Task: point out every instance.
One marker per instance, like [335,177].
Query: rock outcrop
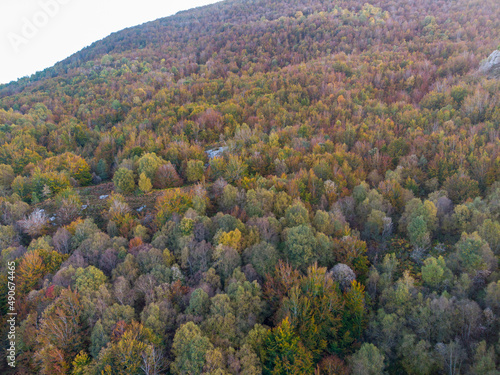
[491,66]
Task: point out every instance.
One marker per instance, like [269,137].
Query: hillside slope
[259,187]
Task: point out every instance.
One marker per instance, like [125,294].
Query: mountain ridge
[153,33]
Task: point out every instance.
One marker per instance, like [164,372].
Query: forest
[259,187]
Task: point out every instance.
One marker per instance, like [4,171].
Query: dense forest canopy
[276,187]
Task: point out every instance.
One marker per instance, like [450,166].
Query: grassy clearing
[93,200]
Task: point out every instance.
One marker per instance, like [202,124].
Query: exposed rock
[215,152]
[491,66]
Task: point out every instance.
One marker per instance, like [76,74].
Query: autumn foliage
[276,187]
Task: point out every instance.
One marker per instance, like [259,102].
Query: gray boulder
[491,66]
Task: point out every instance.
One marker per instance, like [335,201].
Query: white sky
[35,34]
